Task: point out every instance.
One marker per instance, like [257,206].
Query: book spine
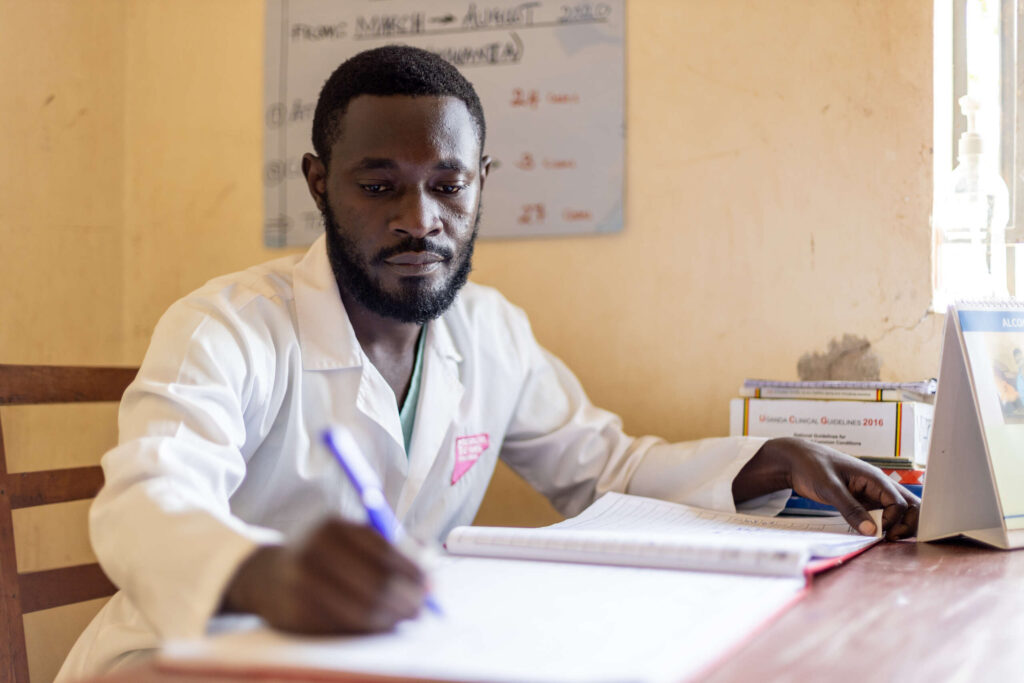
[799,504]
[989,304]
[898,430]
[823,394]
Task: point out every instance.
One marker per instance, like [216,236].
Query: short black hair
[388,70]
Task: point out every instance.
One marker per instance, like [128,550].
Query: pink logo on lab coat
[468,450]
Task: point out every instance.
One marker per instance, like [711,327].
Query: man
[220,497]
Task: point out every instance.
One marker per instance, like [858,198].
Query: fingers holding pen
[323,609]
[355,560]
[341,578]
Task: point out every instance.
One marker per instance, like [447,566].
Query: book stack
[884,423]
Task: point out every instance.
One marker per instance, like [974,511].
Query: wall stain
[849,358]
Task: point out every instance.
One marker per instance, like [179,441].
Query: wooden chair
[33,591]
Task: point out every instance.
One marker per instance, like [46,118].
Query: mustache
[417,244]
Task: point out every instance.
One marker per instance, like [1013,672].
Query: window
[975,55]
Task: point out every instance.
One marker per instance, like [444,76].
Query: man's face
[401,203]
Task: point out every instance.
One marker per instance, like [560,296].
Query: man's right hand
[341,578]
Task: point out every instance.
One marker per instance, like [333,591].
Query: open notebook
[595,601]
[620,529]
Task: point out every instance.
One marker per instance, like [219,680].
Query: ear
[485,167]
[316,177]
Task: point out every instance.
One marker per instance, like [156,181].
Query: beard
[416,301]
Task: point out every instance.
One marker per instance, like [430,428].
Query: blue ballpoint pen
[370,491]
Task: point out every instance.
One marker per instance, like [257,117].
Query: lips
[413,258]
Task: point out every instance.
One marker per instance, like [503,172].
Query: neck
[378,334]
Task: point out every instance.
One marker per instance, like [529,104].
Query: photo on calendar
[1005,351]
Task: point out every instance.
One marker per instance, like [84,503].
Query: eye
[450,188]
[374,188]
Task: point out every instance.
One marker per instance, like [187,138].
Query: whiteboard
[550,76]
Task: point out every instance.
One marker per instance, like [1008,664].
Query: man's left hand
[824,474]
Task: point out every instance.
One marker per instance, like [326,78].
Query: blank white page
[510,620]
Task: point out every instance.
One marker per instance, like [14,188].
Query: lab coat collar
[439,340]
[326,336]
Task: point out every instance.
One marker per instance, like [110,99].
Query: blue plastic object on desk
[798,505]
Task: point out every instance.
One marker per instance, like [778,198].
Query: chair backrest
[31,591]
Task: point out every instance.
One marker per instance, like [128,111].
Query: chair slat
[13,661]
[34,591]
[34,384]
[63,586]
[28,489]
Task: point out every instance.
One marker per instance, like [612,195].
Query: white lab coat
[220,441]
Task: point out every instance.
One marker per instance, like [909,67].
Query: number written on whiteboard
[531,214]
[525,98]
[531,99]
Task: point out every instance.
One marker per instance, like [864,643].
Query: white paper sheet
[511,620]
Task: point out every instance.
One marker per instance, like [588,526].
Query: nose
[417,215]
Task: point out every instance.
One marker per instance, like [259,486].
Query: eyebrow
[450,165]
[375,163]
[383,163]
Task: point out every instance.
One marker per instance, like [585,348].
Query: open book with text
[620,529]
[631,589]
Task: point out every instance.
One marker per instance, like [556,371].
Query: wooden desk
[900,612]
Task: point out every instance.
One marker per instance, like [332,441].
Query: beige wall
[779,184]
[778,196]
[61,173]
[62,108]
[193,200]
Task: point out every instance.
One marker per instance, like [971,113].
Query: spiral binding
[988,304]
